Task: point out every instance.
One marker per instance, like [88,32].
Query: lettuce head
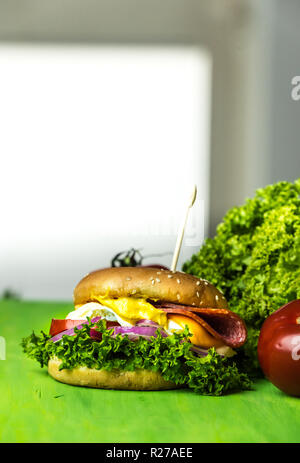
[254,259]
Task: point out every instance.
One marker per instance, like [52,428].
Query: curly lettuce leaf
[255,257]
[171,356]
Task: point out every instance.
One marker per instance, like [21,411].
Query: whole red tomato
[279,348]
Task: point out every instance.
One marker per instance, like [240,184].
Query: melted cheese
[133,309]
[130,309]
[201,337]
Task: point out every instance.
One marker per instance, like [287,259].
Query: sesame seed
[198,294]
[128,278]
[198,283]
[178,281]
[217,297]
[133,291]
[170,276]
[158,280]
[206,283]
[178,296]
[153,282]
[193,303]
[162,269]
[158,273]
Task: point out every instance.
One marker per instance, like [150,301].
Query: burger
[144,328]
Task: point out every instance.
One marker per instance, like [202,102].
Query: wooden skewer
[182,229]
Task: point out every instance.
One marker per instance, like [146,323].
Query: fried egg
[94,309]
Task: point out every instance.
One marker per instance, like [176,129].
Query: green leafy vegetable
[171,356]
[255,257]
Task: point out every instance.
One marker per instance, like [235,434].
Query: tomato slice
[58,325]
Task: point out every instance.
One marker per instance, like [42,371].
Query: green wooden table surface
[35,408]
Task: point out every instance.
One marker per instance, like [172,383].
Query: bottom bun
[138,380]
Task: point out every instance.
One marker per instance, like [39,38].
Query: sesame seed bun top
[149,283]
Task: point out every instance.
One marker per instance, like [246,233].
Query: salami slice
[220,323]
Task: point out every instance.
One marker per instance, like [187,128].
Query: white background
[99,149]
